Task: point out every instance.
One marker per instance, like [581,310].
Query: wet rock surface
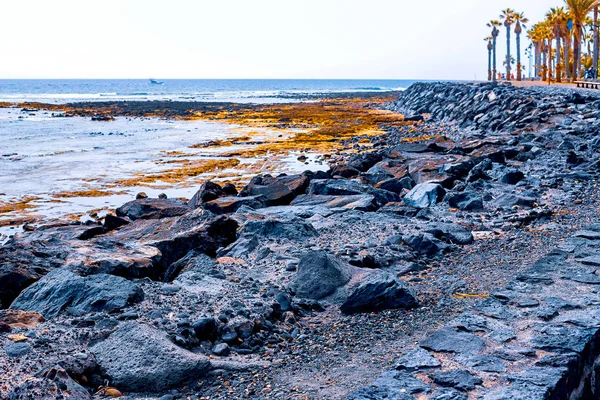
[454,258]
[138,357]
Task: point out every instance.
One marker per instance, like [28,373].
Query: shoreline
[257,138]
[442,212]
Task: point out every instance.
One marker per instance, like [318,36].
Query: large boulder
[362,162]
[230,204]
[319,275]
[430,168]
[143,248]
[466,201]
[425,244]
[450,233]
[512,177]
[153,209]
[30,255]
[378,292]
[277,191]
[424,195]
[392,168]
[241,247]
[121,258]
[175,237]
[509,200]
[194,265]
[208,191]
[63,291]
[344,171]
[346,187]
[140,358]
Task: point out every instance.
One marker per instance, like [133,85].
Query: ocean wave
[60,152]
[370,88]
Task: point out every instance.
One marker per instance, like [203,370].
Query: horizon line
[248,79]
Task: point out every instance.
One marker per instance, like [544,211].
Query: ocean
[208,90]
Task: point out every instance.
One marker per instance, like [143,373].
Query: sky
[279,39]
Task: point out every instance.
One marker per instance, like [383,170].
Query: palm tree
[508,17]
[536,35]
[548,35]
[557,18]
[567,40]
[579,11]
[494,24]
[520,22]
[490,47]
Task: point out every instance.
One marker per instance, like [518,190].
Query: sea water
[208,90]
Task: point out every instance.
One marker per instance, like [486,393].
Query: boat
[155,82]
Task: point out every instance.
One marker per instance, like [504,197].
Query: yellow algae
[179,174]
[173,154]
[265,131]
[223,143]
[87,193]
[471,296]
[324,124]
[18,205]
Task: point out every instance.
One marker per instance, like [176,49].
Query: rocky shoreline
[309,285]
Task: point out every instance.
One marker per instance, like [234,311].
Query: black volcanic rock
[228,205]
[138,357]
[63,291]
[379,292]
[208,191]
[152,209]
[319,275]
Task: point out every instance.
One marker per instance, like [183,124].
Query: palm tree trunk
[489,65]
[549,60]
[576,53]
[494,61]
[518,56]
[544,66]
[508,53]
[595,66]
[558,76]
[567,41]
[538,60]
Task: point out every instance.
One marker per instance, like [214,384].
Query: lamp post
[495,33]
[490,47]
[595,67]
[529,55]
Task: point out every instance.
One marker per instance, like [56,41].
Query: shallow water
[43,156]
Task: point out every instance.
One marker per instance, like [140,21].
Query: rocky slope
[168,298]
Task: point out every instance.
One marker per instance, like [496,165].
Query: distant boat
[155,82]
